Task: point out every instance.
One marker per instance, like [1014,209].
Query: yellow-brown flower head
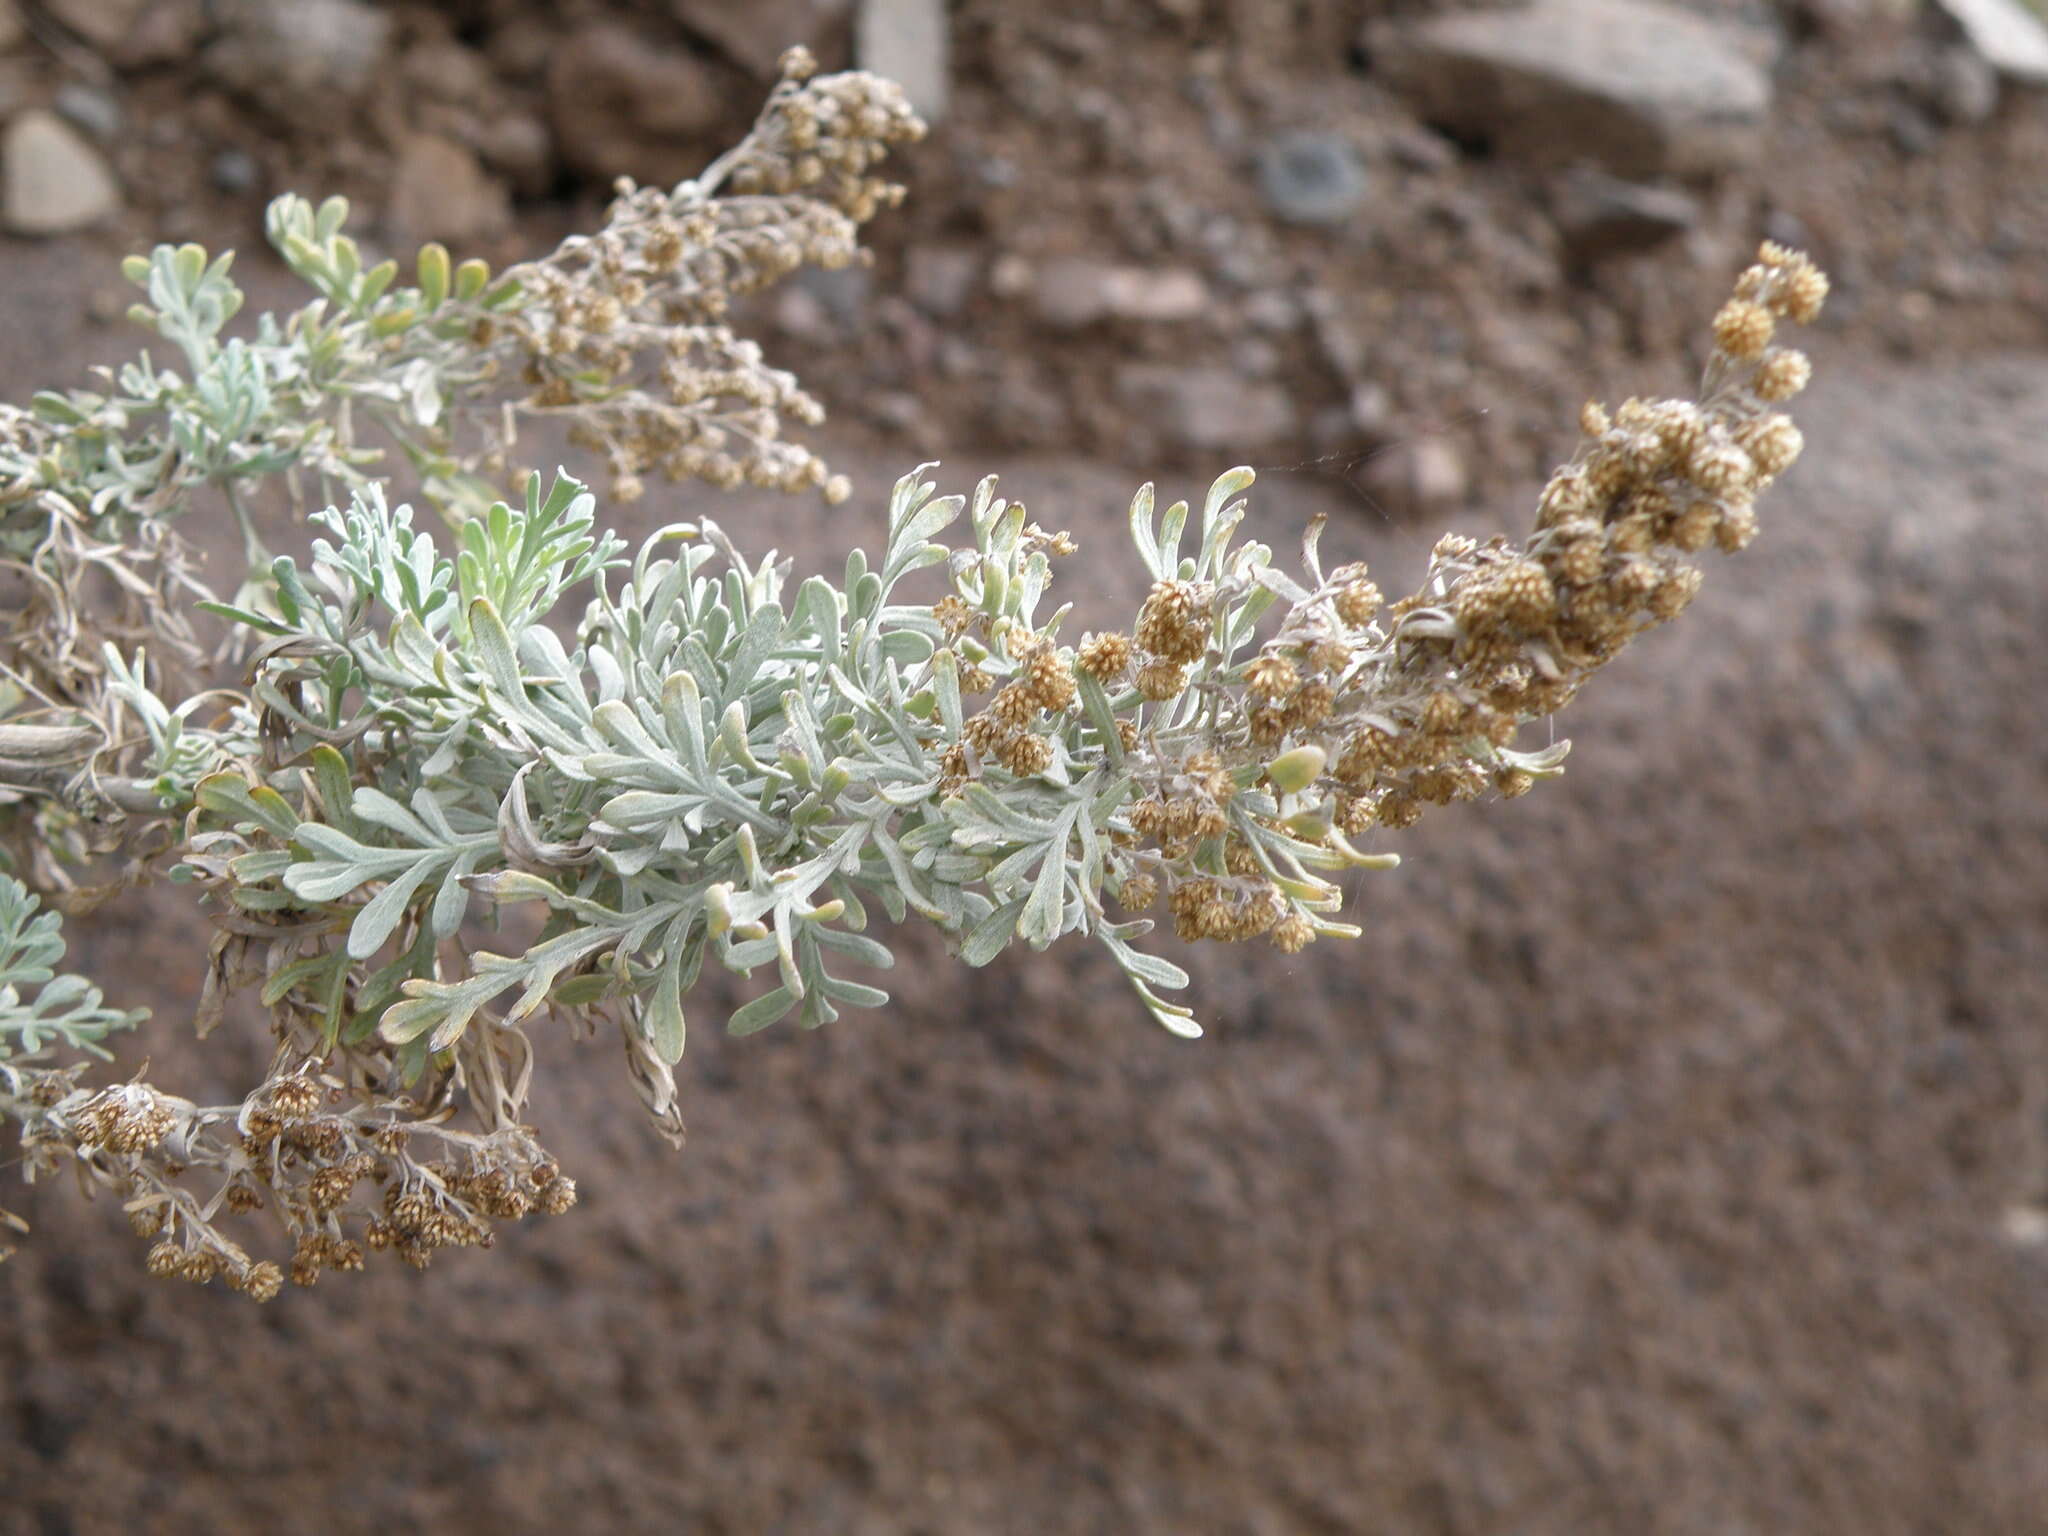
[1743,329]
[1171,624]
[1159,681]
[1104,657]
[1271,678]
[1782,374]
[1049,680]
[1026,755]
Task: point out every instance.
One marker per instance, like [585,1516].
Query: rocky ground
[1672,1154]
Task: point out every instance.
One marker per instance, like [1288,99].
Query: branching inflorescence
[643,760]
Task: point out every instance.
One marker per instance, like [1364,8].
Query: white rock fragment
[905,41]
[1072,294]
[1211,410]
[439,192]
[1639,87]
[55,181]
[2011,38]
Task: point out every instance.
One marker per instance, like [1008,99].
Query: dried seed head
[1049,680]
[1782,374]
[1565,496]
[1400,809]
[1104,657]
[1441,714]
[1680,426]
[1292,934]
[1513,782]
[1720,468]
[1743,329]
[295,1098]
[1355,813]
[1773,443]
[1527,598]
[1800,291]
[983,734]
[1271,678]
[1013,706]
[953,769]
[1737,527]
[1026,755]
[1635,581]
[1356,602]
[1138,892]
[1268,724]
[1358,765]
[1311,705]
[1171,625]
[1675,592]
[1159,681]
[1694,529]
[1582,560]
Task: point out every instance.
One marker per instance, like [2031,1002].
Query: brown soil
[1670,1155]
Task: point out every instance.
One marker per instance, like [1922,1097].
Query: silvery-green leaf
[992,935]
[854,994]
[768,1008]
[663,1018]
[383,912]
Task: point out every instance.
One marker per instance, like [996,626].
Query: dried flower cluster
[674,754]
[624,331]
[1351,719]
[342,1175]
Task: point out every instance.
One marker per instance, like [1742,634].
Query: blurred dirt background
[1672,1153]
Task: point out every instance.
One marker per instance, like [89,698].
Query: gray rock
[1962,86]
[234,171]
[55,181]
[1911,128]
[1642,88]
[440,192]
[100,22]
[906,40]
[843,291]
[1419,477]
[89,108]
[1208,409]
[1600,215]
[2011,37]
[1073,294]
[519,145]
[621,106]
[1336,342]
[1369,409]
[940,279]
[1311,178]
[802,314]
[1276,312]
[166,32]
[286,54]
[447,71]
